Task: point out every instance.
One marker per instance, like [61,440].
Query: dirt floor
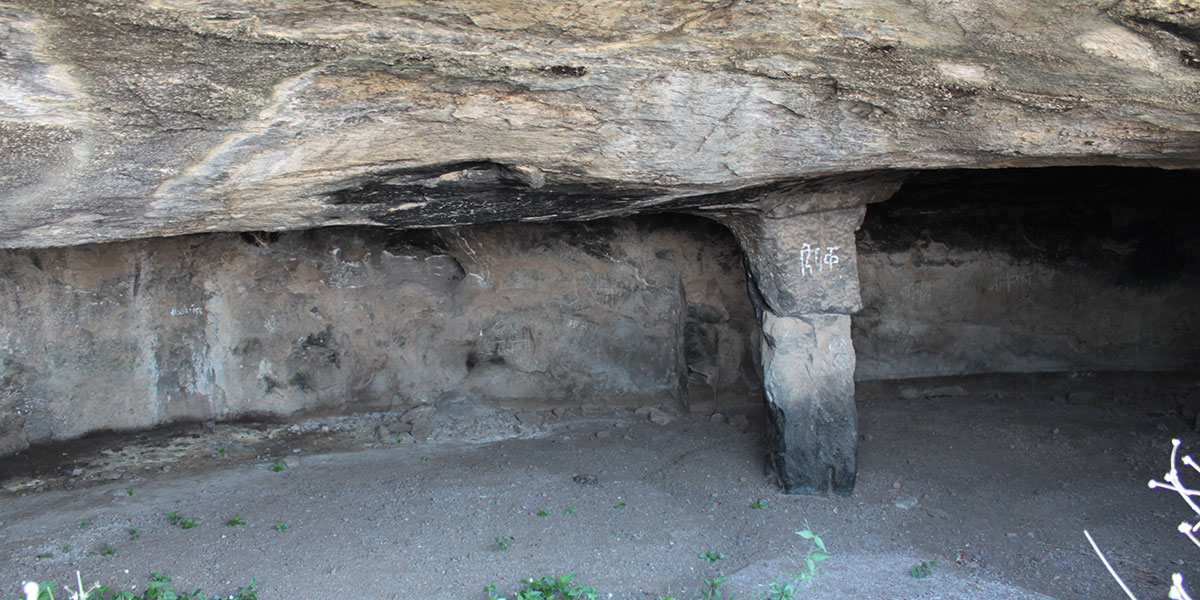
[994,478]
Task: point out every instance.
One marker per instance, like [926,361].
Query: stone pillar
[803,280]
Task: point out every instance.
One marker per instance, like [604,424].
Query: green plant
[546,588]
[424,459]
[758,504]
[108,550]
[235,521]
[712,589]
[156,589]
[619,505]
[814,555]
[129,491]
[66,549]
[543,512]
[134,534]
[183,522]
[277,467]
[712,557]
[45,555]
[280,526]
[922,570]
[503,542]
[570,511]
[85,524]
[222,449]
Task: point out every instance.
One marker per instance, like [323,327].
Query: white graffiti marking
[812,261]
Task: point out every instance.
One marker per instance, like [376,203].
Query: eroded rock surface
[137,334]
[162,117]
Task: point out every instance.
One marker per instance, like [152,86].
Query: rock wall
[136,334]
[1039,270]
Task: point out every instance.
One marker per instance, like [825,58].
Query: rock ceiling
[133,119]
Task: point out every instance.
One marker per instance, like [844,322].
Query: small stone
[717,418]
[906,503]
[656,415]
[76,472]
[111,475]
[602,434]
[167,468]
[209,425]
[291,462]
[529,417]
[585,479]
[1056,430]
[422,429]
[895,485]
[559,411]
[739,421]
[741,480]
[909,393]
[382,432]
[416,413]
[591,409]
[621,425]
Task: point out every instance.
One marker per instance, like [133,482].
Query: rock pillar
[803,280]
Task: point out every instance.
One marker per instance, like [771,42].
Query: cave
[829,238]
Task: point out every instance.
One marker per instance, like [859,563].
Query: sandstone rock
[421,429]
[382,432]
[420,412]
[529,417]
[252,116]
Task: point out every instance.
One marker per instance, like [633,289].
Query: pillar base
[808,376]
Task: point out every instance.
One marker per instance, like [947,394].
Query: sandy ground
[994,478]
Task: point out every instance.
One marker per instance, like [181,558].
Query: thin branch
[1108,566]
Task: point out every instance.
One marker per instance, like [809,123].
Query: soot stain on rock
[565,71]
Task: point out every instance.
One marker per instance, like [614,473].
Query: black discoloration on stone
[566,71]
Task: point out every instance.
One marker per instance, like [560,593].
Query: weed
[66,549]
[712,557]
[424,459]
[758,504]
[619,505]
[280,526]
[156,589]
[222,449]
[785,589]
[570,511]
[129,491]
[543,512]
[85,524]
[277,467]
[183,522]
[503,542]
[108,551]
[922,570]
[46,555]
[712,589]
[235,521]
[546,588]
[134,534]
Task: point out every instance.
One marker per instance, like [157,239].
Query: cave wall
[1030,271]
[136,334]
